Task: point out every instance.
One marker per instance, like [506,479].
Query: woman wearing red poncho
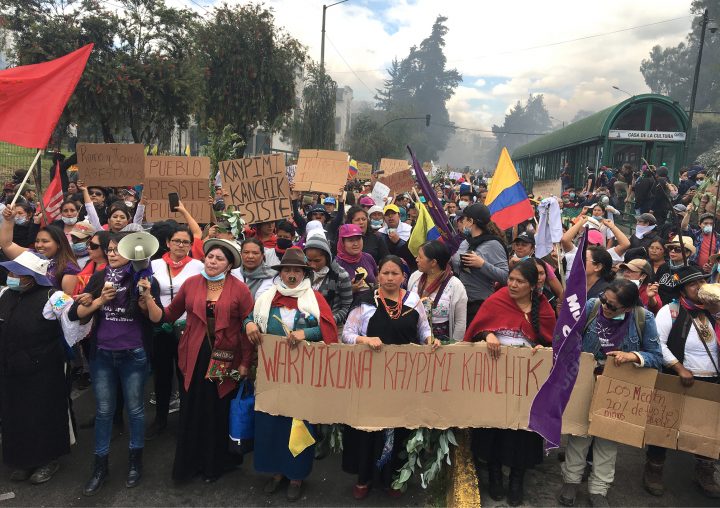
[516,315]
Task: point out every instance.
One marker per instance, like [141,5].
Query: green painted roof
[588,129]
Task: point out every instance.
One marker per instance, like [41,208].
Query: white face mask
[641,231]
[70,221]
[636,282]
[463,204]
[129,204]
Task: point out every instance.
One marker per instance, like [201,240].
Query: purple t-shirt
[52,275]
[117,330]
[367,262]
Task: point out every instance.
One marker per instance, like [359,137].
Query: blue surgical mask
[707,229]
[80,249]
[619,318]
[13,283]
[376,223]
[467,231]
[572,195]
[20,220]
[218,277]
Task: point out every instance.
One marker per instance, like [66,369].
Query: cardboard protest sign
[258,188]
[546,188]
[290,172]
[364,171]
[111,164]
[391,166]
[399,182]
[621,403]
[188,176]
[458,385]
[321,171]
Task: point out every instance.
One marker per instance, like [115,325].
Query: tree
[582,113]
[522,123]
[250,66]
[141,75]
[669,71]
[368,142]
[317,127]
[419,85]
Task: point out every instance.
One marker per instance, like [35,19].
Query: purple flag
[552,399]
[448,234]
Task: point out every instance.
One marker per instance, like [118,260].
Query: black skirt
[202,441]
[512,448]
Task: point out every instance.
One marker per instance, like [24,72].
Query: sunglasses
[607,305]
[678,250]
[96,193]
[93,246]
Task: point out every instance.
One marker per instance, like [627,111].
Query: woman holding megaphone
[120,343]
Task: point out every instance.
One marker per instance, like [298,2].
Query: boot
[515,487]
[495,475]
[134,468]
[705,478]
[653,478]
[100,473]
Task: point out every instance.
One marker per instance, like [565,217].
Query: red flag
[32,97]
[53,197]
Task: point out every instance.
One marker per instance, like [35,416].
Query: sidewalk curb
[464,490]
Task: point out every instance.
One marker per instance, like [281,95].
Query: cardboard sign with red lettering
[458,385]
[111,164]
[188,176]
[621,403]
[258,188]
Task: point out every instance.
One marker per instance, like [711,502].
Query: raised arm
[623,242]
[567,238]
[92,215]
[191,222]
[11,249]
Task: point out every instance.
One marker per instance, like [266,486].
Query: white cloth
[307,303]
[357,322]
[57,309]
[641,231]
[403,231]
[696,358]
[451,308]
[549,227]
[314,228]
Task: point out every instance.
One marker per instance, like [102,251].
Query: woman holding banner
[516,315]
[291,308]
[617,327]
[389,315]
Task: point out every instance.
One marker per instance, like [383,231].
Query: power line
[489,130]
[548,45]
[348,65]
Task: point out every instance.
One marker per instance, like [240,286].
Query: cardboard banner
[111,164]
[364,171]
[686,419]
[547,188]
[391,166]
[188,176]
[458,385]
[399,182]
[321,171]
[258,187]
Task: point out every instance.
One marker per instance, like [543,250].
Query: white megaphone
[138,248]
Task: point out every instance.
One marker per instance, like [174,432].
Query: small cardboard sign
[411,386]
[391,166]
[379,192]
[258,188]
[321,171]
[621,403]
[364,171]
[399,182]
[111,164]
[188,176]
[546,188]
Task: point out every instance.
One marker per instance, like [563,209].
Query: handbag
[220,363]
[242,418]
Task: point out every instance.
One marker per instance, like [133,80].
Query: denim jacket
[648,347]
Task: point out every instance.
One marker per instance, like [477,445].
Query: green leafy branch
[430,447]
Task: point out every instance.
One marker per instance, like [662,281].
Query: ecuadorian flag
[424,230]
[352,169]
[506,198]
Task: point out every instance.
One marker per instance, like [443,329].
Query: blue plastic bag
[242,413]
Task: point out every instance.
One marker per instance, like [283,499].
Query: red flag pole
[27,175]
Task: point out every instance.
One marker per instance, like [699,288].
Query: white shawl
[307,303]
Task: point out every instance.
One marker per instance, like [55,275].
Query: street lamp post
[693,95]
[322,41]
[623,91]
[426,118]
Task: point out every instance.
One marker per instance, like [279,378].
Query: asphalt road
[327,485]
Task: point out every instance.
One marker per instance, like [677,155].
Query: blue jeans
[130,367]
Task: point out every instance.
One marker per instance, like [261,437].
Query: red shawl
[328,327]
[500,312]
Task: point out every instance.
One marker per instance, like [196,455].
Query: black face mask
[284,243]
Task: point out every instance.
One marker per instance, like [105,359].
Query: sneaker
[598,500]
[361,491]
[152,398]
[175,403]
[568,493]
[44,473]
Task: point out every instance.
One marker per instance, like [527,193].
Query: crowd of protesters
[76,311]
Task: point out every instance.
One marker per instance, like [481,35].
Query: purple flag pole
[551,400]
[450,237]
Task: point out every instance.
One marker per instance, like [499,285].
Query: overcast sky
[497,46]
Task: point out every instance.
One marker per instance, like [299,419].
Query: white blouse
[358,319]
[162,275]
